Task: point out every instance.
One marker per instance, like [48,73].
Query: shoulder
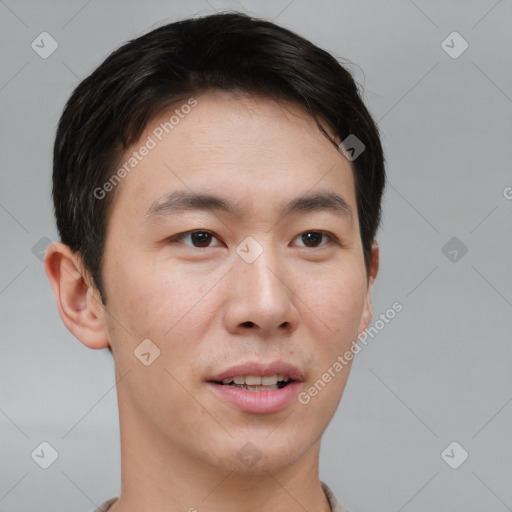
[335,506]
[106,505]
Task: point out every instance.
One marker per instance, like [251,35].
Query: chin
[258,456]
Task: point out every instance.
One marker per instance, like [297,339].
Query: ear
[78,301]
[366,317]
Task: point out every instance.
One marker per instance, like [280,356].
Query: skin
[307,304]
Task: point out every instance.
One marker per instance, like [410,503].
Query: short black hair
[234,52]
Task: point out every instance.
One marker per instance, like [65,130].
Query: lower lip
[258,402]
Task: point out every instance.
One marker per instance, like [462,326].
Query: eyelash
[181,236]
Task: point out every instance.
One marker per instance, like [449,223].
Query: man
[217,189]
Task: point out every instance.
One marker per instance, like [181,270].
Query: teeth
[254,380]
[259,388]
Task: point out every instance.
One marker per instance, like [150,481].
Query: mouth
[258,388]
[256,383]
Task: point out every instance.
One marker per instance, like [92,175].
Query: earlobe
[366,317]
[374,267]
[77,299]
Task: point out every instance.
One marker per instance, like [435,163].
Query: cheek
[155,301]
[335,303]
[335,299]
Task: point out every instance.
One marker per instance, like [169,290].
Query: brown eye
[199,238]
[313,239]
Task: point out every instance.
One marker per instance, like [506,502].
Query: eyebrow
[181,201]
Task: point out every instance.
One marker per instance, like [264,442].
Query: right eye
[198,238]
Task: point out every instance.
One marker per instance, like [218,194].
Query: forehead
[249,148]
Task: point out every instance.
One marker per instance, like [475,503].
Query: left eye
[313,238]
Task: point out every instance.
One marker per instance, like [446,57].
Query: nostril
[248,324]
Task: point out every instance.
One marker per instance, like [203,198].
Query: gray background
[439,372]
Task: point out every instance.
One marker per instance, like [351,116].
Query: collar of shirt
[335,506]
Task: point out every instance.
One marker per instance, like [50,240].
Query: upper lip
[260,370]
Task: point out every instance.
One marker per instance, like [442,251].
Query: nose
[261,297]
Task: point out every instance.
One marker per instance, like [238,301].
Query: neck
[157,475]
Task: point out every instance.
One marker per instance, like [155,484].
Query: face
[259,280]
